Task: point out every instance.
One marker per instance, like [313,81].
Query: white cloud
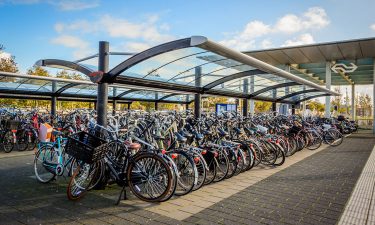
[81,47]
[372,27]
[148,30]
[81,25]
[303,39]
[139,35]
[70,41]
[266,44]
[313,18]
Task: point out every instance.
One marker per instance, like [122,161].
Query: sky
[68,29]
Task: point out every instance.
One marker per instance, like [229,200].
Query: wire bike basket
[86,147]
[12,124]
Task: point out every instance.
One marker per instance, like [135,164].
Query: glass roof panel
[304,95]
[259,82]
[178,66]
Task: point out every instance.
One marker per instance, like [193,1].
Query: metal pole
[102,100]
[328,86]
[293,109]
[274,106]
[353,111]
[129,105]
[114,101]
[198,97]
[114,107]
[156,101]
[285,107]
[252,104]
[53,99]
[245,102]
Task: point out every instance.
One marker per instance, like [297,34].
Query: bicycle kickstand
[123,190]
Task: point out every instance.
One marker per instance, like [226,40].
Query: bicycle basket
[12,124]
[294,129]
[86,147]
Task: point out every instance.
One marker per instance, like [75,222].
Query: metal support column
[129,105]
[274,106]
[198,97]
[353,111]
[53,99]
[114,102]
[328,86]
[293,109]
[156,101]
[102,100]
[245,101]
[284,108]
[252,105]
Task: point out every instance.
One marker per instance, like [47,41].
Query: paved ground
[313,187]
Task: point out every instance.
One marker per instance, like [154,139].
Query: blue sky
[66,29]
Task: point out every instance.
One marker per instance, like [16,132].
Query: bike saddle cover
[207,132]
[197,135]
[180,138]
[185,134]
[238,130]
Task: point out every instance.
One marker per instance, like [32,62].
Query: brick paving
[312,191]
[311,188]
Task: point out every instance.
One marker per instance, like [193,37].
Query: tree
[261,106]
[38,71]
[7,64]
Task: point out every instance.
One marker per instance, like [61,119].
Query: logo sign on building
[341,67]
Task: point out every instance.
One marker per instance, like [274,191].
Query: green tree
[261,106]
[38,71]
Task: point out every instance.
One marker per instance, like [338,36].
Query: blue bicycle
[51,161]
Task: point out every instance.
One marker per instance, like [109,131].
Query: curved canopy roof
[197,65]
[309,61]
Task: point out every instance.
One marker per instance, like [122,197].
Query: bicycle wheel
[149,177]
[22,140]
[211,167]
[232,162]
[200,163]
[8,142]
[240,162]
[174,172]
[222,166]
[33,141]
[81,180]
[249,158]
[333,137]
[187,172]
[269,155]
[45,162]
[315,141]
[280,155]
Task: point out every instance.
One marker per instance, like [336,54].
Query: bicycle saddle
[222,132]
[238,130]
[197,135]
[180,138]
[56,132]
[207,132]
[186,134]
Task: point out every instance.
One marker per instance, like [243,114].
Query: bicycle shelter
[194,66]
